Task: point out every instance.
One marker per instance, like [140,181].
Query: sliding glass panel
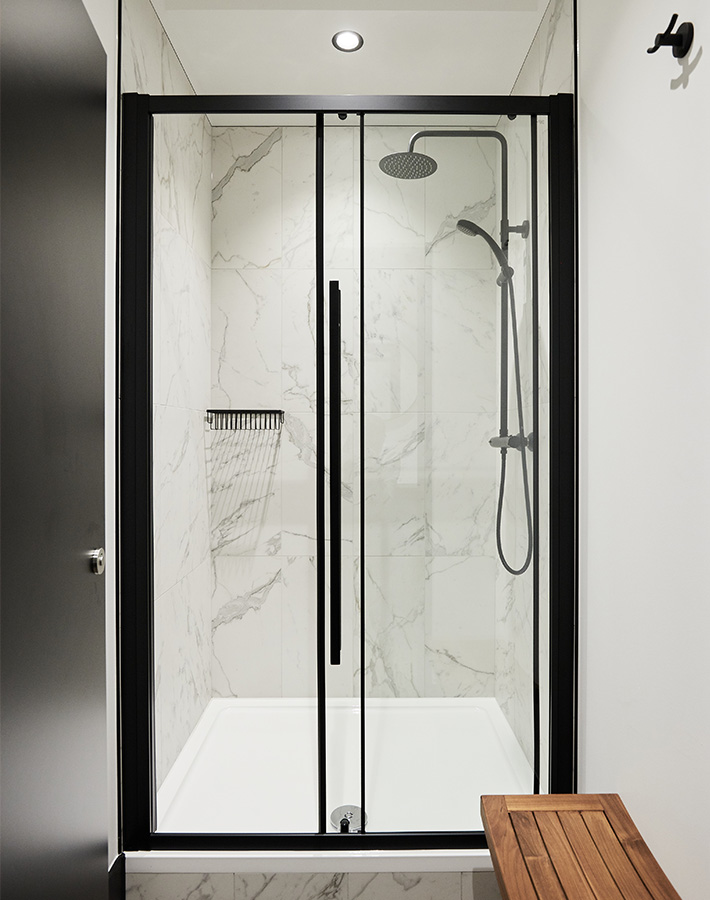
[234,466]
[342,285]
[451,589]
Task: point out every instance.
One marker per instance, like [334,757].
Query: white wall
[645,431]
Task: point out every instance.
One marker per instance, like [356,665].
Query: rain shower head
[408,164]
[473,230]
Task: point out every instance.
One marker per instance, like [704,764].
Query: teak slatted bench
[570,847]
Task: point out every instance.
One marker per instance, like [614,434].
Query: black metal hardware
[320,474]
[680,41]
[245,419]
[344,825]
[336,602]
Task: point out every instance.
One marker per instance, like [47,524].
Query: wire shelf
[245,419]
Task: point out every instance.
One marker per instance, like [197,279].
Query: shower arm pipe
[479,133]
[504,235]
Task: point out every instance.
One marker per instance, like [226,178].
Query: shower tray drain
[347,819]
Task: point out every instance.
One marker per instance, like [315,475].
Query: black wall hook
[680,41]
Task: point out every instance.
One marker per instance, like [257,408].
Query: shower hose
[523,456]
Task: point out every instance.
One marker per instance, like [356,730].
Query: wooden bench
[570,847]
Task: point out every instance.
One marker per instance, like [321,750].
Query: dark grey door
[52,677]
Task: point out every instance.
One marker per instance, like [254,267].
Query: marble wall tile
[549,65]
[247,192]
[429,484]
[395,210]
[299,655]
[247,626]
[284,886]
[298,192]
[514,655]
[460,627]
[412,885]
[394,340]
[149,64]
[430,627]
[181,321]
[182,178]
[182,672]
[395,627]
[165,886]
[341,200]
[180,506]
[245,492]
[293,886]
[431,340]
[298,490]
[463,187]
[431,382]
[460,371]
[298,341]
[246,339]
[397,474]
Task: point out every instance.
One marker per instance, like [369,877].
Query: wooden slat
[644,861]
[570,847]
[588,856]
[618,863]
[537,859]
[565,862]
[512,873]
[555,802]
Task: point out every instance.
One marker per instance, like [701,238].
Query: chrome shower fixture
[473,230]
[408,164]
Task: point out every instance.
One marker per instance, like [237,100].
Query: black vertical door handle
[336,614]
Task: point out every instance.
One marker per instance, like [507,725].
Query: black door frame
[135,588]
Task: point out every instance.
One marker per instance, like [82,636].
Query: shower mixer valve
[513,442]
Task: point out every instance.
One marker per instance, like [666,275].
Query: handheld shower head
[473,230]
[408,164]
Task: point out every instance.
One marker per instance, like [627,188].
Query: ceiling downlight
[347,41]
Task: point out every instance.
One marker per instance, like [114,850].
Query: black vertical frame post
[535,456]
[320,476]
[135,481]
[336,476]
[563,446]
[363,457]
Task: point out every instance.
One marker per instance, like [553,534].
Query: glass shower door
[348,439]
[450,403]
[235,469]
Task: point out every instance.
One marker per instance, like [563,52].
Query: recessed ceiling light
[347,41]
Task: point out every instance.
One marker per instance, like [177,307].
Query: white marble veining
[291,886]
[182,184]
[181,321]
[247,193]
[367,885]
[549,65]
[149,64]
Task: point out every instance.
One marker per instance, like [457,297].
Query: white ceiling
[411,46]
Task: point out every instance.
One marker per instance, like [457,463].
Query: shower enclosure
[347,467]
